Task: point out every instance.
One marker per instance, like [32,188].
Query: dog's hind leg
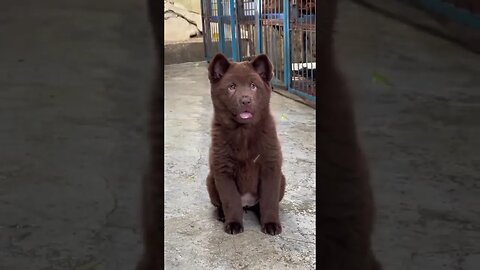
[214,197]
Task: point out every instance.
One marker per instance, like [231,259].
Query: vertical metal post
[286,43]
[233,27]
[258,26]
[221,38]
[205,32]
[238,18]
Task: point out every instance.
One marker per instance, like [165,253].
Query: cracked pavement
[72,135]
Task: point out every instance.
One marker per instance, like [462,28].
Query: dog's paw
[233,228]
[272,228]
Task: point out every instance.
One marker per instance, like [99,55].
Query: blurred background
[75,78]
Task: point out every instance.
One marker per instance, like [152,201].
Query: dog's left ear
[263,67]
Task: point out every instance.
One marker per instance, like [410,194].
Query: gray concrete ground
[74,79]
[421,136]
[415,14]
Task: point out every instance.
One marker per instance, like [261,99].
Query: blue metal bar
[258,25]
[233,26]
[204,17]
[286,43]
[238,16]
[221,38]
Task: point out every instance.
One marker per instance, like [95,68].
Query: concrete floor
[422,138]
[74,78]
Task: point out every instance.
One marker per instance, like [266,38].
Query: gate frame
[236,39]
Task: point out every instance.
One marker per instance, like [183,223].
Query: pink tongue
[245,115]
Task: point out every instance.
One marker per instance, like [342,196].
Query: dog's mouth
[246,115]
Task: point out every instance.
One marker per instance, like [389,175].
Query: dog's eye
[231,87]
[253,87]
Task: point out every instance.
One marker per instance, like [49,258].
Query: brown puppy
[245,155]
[345,205]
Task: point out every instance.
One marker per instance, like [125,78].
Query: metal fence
[283,29]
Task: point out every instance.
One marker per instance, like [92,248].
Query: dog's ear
[217,68]
[263,67]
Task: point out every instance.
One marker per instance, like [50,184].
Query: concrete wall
[192,5]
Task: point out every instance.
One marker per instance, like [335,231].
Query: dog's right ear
[217,68]
[263,67]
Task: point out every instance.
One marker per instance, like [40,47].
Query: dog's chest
[247,172]
[249,199]
[247,179]
[247,169]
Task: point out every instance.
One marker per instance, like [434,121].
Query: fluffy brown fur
[245,155]
[152,193]
[345,207]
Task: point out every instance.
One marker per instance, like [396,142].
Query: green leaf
[379,78]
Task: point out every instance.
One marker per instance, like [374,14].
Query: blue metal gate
[282,29]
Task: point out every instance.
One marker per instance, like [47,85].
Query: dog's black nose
[246,100]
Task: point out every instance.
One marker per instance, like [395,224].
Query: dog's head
[242,90]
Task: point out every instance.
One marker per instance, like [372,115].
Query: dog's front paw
[272,228]
[233,228]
